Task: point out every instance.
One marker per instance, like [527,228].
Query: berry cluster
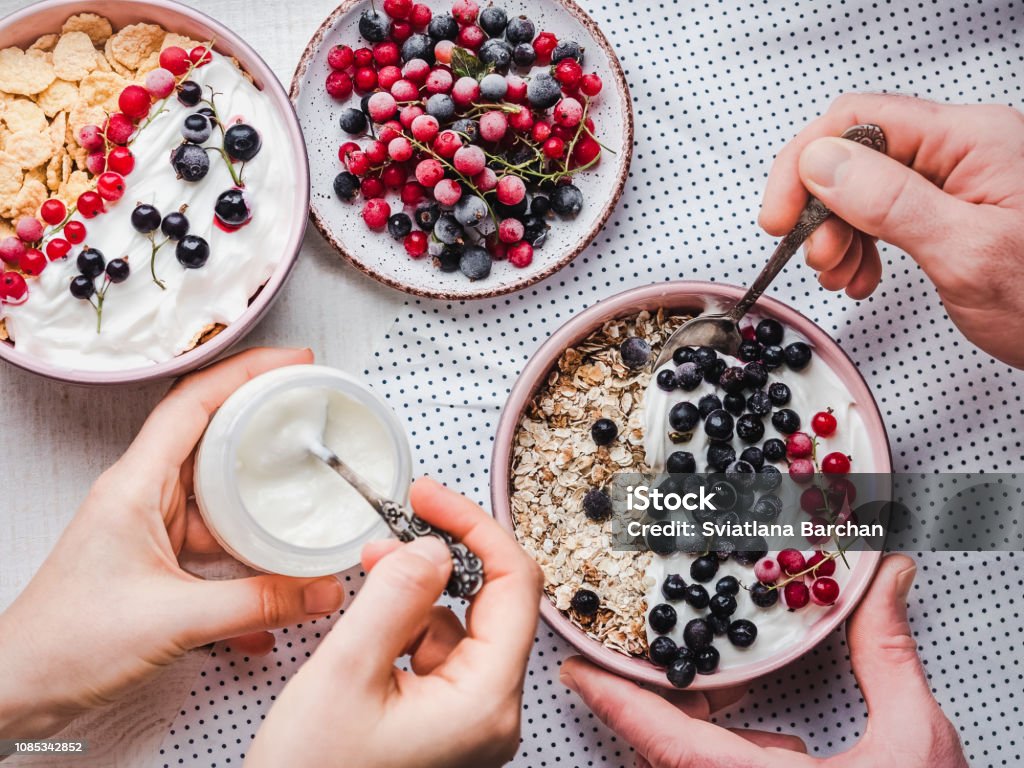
[698,653]
[801,580]
[192,251]
[479,145]
[110,159]
[91,265]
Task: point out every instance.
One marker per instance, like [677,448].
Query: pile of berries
[110,159]
[475,121]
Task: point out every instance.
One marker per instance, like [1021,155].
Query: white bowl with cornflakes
[60,62]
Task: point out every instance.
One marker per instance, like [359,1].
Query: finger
[827,246]
[909,124]
[443,632]
[178,421]
[641,762]
[882,197]
[408,582]
[198,539]
[655,728]
[208,611]
[690,703]
[771,740]
[869,273]
[882,650]
[723,698]
[504,612]
[838,278]
[253,644]
[375,550]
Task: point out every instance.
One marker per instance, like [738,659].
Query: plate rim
[626,104]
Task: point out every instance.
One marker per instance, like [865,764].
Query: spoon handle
[467,569]
[811,217]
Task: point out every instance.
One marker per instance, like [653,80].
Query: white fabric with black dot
[718,88]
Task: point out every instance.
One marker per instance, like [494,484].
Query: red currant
[415,244]
[363,57]
[53,211]
[390,131]
[398,9]
[339,85]
[412,193]
[493,126]
[511,231]
[471,37]
[110,186]
[175,59]
[420,15]
[767,570]
[540,132]
[443,51]
[801,470]
[812,500]
[57,248]
[376,213]
[393,176]
[121,160]
[200,55]
[520,255]
[400,149]
[822,564]
[401,31]
[74,231]
[521,121]
[511,190]
[344,149]
[544,45]
[439,81]
[429,172]
[486,180]
[553,148]
[470,160]
[409,114]
[791,561]
[824,591]
[465,11]
[372,187]
[91,138]
[416,70]
[795,595]
[340,57]
[824,423]
[568,112]
[447,144]
[568,72]
[465,91]
[382,107]
[11,249]
[389,76]
[591,84]
[134,101]
[387,54]
[447,192]
[13,288]
[96,163]
[365,80]
[836,463]
[376,151]
[586,151]
[516,93]
[32,262]
[425,128]
[358,162]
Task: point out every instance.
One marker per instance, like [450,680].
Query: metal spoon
[467,569]
[721,331]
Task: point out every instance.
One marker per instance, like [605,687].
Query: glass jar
[299,550]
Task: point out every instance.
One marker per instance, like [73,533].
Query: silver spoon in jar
[721,331]
[467,569]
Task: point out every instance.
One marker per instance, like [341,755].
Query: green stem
[152,261]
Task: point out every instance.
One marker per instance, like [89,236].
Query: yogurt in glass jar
[271,503]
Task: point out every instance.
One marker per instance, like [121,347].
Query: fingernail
[823,160]
[322,596]
[431,548]
[568,680]
[905,580]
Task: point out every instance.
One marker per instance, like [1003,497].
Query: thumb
[882,197]
[882,650]
[216,610]
[392,607]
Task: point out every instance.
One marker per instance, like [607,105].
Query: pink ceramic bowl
[23,27]
[690,297]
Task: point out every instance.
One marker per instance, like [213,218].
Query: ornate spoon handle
[467,569]
[811,217]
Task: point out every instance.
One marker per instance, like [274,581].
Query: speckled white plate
[384,258]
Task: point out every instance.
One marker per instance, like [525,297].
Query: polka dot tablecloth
[718,88]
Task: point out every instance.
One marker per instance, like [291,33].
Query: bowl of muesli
[154,187]
[789,426]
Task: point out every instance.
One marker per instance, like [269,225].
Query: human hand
[950,192]
[111,604]
[460,705]
[905,725]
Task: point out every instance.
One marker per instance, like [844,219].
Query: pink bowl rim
[205,353]
[672,295]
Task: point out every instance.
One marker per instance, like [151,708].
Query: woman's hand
[460,705]
[905,726]
[950,192]
[111,605]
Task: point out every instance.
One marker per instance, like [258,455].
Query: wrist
[27,707]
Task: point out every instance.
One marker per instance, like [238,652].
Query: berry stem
[235,175]
[424,148]
[152,260]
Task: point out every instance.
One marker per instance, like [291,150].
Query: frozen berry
[190,162]
[567,49]
[339,85]
[418,46]
[470,37]
[447,192]
[119,128]
[470,210]
[799,445]
[374,26]
[568,112]
[520,255]
[376,213]
[365,80]
[590,84]
[91,138]
[801,470]
[510,231]
[786,421]
[543,91]
[448,231]
[567,200]
[511,190]
[597,505]
[497,54]
[475,262]
[28,229]
[569,73]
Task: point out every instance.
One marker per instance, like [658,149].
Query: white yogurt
[273,505]
[815,388]
[143,324]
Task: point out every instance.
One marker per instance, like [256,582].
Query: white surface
[718,89]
